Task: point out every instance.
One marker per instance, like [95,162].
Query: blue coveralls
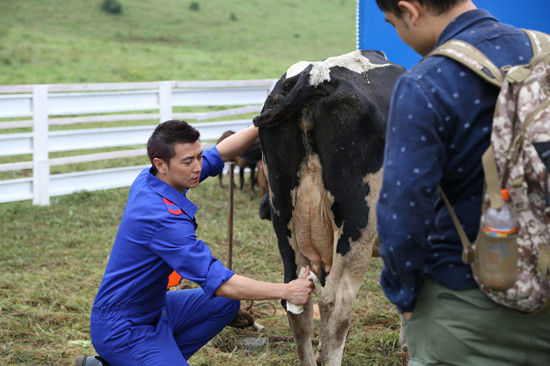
[134,321]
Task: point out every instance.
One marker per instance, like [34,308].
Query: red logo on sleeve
[172,208]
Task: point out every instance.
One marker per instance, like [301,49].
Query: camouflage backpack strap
[540,42]
[467,255]
[469,56]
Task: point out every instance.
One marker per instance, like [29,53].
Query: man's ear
[410,11]
[161,165]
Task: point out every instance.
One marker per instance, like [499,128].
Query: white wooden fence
[74,103]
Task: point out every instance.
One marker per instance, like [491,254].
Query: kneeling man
[134,320]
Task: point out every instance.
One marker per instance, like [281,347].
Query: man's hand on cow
[299,290]
[406,316]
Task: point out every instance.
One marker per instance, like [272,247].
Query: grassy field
[52,260]
[72,41]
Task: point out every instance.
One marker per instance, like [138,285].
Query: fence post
[41,167]
[165,100]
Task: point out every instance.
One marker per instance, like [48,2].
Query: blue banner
[374,33]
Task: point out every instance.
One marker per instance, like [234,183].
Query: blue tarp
[374,33]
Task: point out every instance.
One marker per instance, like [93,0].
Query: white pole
[41,168]
[165,100]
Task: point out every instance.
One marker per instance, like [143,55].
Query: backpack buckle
[518,74]
[467,256]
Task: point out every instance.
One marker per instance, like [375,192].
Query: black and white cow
[322,131]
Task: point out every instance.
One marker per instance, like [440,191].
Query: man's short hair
[161,143]
[439,6]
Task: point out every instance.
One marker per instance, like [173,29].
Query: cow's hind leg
[302,326]
[335,303]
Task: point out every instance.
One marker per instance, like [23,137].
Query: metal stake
[230,218]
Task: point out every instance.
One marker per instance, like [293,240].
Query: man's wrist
[283,293]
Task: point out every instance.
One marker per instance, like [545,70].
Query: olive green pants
[466,328]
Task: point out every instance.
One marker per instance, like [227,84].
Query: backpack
[514,270]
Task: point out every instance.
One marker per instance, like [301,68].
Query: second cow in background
[250,158]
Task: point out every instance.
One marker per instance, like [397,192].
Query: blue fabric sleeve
[212,163]
[177,244]
[414,159]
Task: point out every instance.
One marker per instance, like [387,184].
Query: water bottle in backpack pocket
[496,249]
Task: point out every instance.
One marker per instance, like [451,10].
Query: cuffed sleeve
[212,163]
[413,164]
[177,244]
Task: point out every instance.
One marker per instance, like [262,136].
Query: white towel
[299,309]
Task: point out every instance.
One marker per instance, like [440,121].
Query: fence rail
[132,117]
[95,138]
[68,104]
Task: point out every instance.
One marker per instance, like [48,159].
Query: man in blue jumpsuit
[438,128]
[134,320]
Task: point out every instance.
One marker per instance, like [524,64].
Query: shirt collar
[462,22]
[167,191]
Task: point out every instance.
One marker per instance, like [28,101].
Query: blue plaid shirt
[439,126]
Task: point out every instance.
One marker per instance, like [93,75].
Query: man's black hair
[161,143]
[439,6]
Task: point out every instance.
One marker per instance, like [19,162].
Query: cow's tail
[292,102]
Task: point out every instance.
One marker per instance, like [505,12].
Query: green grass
[53,257]
[71,41]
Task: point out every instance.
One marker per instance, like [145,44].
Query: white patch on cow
[312,223]
[375,184]
[297,68]
[335,357]
[320,72]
